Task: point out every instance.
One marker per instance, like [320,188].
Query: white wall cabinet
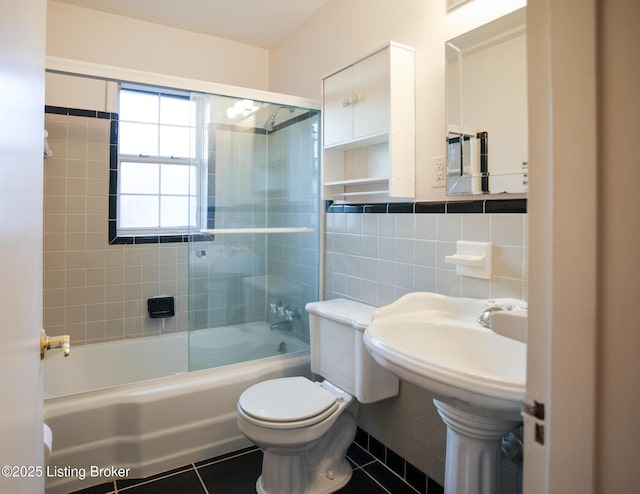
[369,128]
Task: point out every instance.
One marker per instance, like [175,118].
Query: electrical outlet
[439,170]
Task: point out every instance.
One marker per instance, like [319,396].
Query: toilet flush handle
[49,342]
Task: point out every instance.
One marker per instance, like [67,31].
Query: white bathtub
[157,423]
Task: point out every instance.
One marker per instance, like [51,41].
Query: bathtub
[166,419]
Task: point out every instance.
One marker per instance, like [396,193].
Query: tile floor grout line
[213,462]
[401,478]
[376,459]
[206,491]
[376,481]
[195,468]
[152,480]
[366,464]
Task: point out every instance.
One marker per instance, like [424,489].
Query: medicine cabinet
[486,99]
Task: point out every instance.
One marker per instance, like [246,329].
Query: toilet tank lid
[344,311]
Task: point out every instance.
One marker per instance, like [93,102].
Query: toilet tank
[338,352]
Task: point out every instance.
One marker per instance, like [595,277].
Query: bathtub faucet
[286,311]
[278,309]
[292,314]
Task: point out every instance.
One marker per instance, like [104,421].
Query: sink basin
[435,342]
[477,375]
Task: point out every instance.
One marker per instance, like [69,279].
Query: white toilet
[305,427]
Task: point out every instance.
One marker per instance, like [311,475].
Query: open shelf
[357,181]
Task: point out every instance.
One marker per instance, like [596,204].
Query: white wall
[79,92]
[345,30]
[91,36]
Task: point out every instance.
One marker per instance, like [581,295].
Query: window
[157,186]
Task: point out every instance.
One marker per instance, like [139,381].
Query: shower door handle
[49,342]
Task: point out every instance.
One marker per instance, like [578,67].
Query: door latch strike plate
[536,410]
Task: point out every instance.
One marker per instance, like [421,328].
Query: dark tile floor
[237,472]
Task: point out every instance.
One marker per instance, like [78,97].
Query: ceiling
[260,23]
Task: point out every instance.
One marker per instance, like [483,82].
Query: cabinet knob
[350,101]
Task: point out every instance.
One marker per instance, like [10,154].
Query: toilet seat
[287,403]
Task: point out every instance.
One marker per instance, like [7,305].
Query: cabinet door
[337,110]
[371,86]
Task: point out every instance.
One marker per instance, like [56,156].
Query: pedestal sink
[477,376]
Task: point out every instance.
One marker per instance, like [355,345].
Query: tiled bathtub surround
[96,286]
[95,291]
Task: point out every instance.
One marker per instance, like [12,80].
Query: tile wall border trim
[481,206]
[79,112]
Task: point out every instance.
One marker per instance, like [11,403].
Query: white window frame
[194,162]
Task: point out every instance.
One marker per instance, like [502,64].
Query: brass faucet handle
[49,342]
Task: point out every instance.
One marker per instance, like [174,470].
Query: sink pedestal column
[473,450]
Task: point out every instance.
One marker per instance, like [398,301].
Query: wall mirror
[486,108]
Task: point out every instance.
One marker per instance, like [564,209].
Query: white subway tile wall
[376,258]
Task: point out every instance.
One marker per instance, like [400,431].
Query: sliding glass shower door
[254,258]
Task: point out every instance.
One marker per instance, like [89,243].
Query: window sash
[193,194]
[193,160]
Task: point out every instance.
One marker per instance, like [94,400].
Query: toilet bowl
[292,426]
[305,427]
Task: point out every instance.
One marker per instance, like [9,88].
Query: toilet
[305,427]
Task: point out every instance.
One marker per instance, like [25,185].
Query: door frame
[563,269]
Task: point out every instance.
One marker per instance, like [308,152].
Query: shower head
[271,121]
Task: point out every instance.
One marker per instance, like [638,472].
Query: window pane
[177,111]
[139,178]
[138,138]
[175,141]
[193,180]
[136,106]
[174,211]
[193,210]
[175,179]
[138,211]
[161,196]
